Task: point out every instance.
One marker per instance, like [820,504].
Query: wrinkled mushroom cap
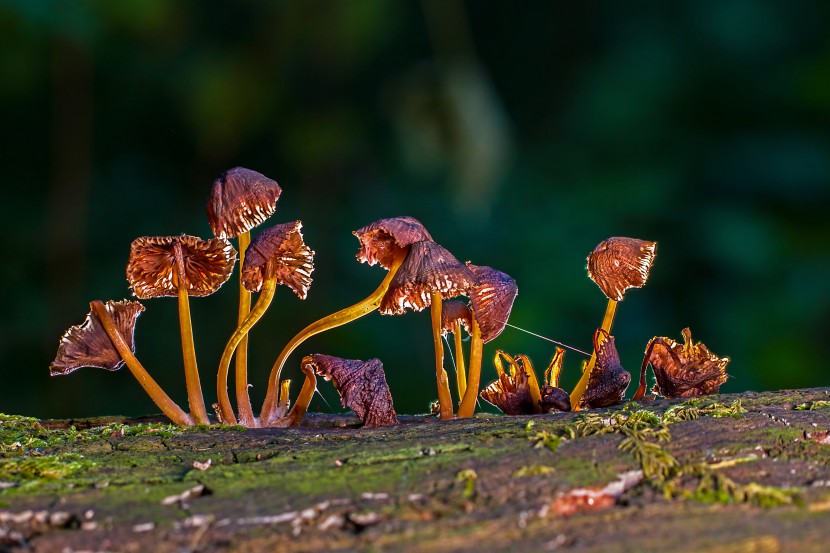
[88,345]
[152,273]
[555,399]
[292,261]
[455,311]
[685,370]
[510,393]
[608,380]
[491,298]
[620,263]
[427,268]
[382,239]
[240,199]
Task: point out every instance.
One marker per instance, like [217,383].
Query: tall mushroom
[106,340]
[181,266]
[454,315]
[239,200]
[615,265]
[386,242]
[277,255]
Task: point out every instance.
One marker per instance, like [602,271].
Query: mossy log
[745,472]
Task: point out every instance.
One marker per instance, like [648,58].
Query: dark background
[520,133]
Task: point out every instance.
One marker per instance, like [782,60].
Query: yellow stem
[460,369]
[468,402]
[243,399]
[161,399]
[607,321]
[532,381]
[285,397]
[444,397]
[295,416]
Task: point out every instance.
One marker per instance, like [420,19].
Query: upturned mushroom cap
[382,239]
[609,379]
[620,263]
[362,387]
[455,311]
[239,200]
[292,261]
[491,298]
[88,345]
[152,273]
[510,393]
[684,370]
[427,268]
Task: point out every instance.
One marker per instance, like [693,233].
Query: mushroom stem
[269,286]
[444,397]
[285,398]
[582,385]
[347,315]
[161,399]
[532,381]
[295,416]
[460,369]
[468,402]
[191,370]
[243,400]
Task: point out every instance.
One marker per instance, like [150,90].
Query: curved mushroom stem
[243,400]
[191,370]
[468,402]
[532,381]
[269,286]
[460,369]
[582,385]
[268,414]
[161,399]
[295,416]
[444,397]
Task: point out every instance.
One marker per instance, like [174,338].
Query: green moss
[50,467]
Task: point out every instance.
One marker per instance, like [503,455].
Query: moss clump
[50,467]
[812,405]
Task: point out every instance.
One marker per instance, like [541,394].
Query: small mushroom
[615,265]
[387,242]
[239,200]
[609,379]
[454,315]
[106,340]
[513,393]
[555,398]
[361,384]
[181,266]
[278,255]
[682,370]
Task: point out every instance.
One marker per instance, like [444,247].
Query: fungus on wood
[609,379]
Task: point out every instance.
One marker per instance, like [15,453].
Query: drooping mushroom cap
[609,379]
[491,298]
[455,311]
[362,387]
[291,260]
[382,239]
[510,393]
[152,271]
[620,263]
[239,200]
[684,370]
[88,345]
[427,268]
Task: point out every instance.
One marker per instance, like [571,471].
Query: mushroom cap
[555,399]
[239,200]
[510,393]
[685,370]
[292,261]
[89,345]
[455,311]
[620,263]
[491,298]
[427,268]
[608,380]
[151,269]
[382,239]
[362,387]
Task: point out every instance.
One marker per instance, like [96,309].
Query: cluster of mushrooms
[421,274]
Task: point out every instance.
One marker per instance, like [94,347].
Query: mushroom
[277,255]
[386,242]
[106,340]
[239,200]
[615,265]
[491,299]
[454,315]
[609,379]
[516,392]
[428,275]
[555,398]
[682,370]
[181,266]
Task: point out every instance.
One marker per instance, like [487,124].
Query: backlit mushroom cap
[609,379]
[382,239]
[684,370]
[152,273]
[510,393]
[241,199]
[427,268]
[88,345]
[491,298]
[292,261]
[455,311]
[361,384]
[619,263]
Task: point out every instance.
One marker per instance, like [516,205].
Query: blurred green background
[520,134]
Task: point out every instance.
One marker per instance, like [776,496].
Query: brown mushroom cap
[555,399]
[151,269]
[88,345]
[510,393]
[620,263]
[380,240]
[455,311]
[427,268]
[293,261]
[362,387]
[685,370]
[608,380]
[491,298]
[240,199]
